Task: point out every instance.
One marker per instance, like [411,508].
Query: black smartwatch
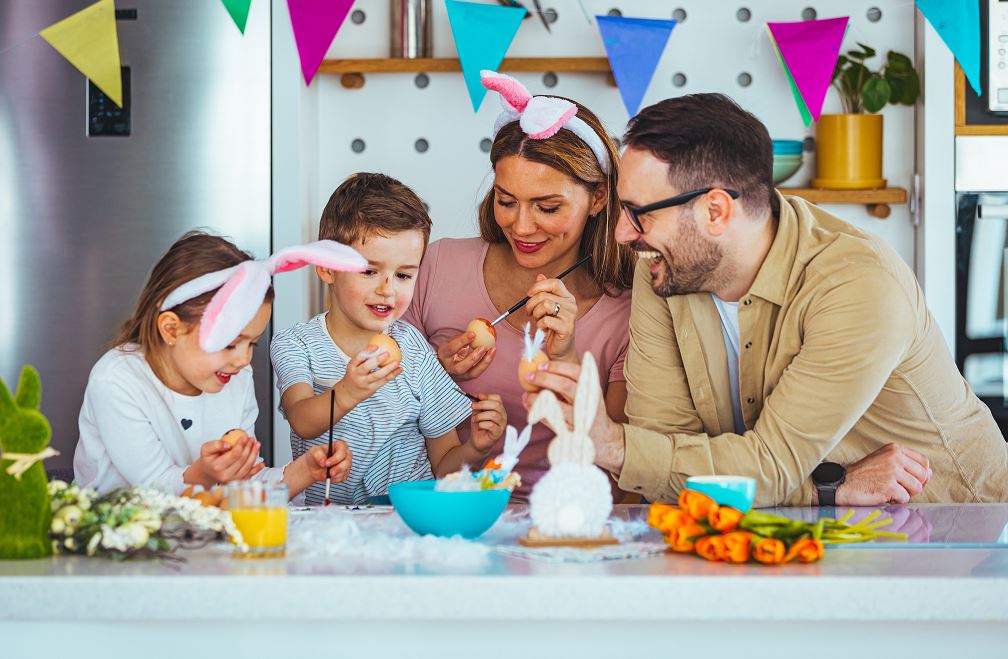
[828,476]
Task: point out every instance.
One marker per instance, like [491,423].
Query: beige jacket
[839,356]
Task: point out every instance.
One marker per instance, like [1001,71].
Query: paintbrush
[467,395]
[332,413]
[522,302]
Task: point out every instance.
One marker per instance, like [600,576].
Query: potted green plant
[849,145]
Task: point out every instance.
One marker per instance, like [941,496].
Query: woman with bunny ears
[158,404]
[552,203]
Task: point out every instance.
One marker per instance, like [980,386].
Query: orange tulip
[738,545]
[684,537]
[724,519]
[657,512]
[711,547]
[806,550]
[671,520]
[696,504]
[769,551]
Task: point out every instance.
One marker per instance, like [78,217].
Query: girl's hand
[336,466]
[554,310]
[461,361]
[489,419]
[219,462]
[364,376]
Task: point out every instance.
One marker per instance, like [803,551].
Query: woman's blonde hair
[193,255]
[611,266]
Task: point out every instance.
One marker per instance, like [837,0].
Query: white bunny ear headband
[242,287]
[541,117]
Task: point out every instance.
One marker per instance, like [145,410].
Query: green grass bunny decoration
[25,508]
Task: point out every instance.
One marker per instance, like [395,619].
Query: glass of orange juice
[259,512]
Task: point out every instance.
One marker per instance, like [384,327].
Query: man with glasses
[770,339]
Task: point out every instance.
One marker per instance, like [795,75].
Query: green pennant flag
[239,10]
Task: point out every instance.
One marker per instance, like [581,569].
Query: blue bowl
[735,491]
[791,147]
[468,514]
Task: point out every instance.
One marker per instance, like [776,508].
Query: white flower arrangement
[134,522]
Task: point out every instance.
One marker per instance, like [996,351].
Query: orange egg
[234,436]
[486,335]
[526,366]
[386,342]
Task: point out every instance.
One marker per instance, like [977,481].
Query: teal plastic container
[427,512]
[787,147]
[735,491]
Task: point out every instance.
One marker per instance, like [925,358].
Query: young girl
[158,404]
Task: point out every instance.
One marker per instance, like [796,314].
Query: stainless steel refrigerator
[90,197]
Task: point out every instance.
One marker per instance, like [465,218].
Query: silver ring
[556,309]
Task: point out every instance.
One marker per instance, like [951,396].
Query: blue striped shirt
[386,433]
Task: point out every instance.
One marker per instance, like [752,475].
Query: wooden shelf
[961,127]
[877,201]
[353,70]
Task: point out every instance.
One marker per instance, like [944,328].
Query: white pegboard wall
[719,46]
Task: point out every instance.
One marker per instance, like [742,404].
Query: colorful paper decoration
[634,47]
[957,22]
[483,34]
[808,52]
[315,24]
[239,10]
[89,41]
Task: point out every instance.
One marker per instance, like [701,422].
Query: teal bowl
[785,166]
[735,491]
[787,146]
[427,512]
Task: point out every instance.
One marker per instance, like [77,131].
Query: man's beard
[694,263]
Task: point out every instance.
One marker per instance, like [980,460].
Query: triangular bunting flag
[315,24]
[239,10]
[634,47]
[799,101]
[483,34]
[89,41]
[957,22]
[808,51]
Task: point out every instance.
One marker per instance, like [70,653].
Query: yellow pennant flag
[89,41]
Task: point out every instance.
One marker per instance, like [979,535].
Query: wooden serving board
[537,539]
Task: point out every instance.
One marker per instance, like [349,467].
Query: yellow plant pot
[849,152]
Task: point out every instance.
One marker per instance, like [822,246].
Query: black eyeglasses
[678,200]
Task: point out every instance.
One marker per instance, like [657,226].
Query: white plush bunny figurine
[573,499]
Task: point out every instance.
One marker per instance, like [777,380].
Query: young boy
[397,418]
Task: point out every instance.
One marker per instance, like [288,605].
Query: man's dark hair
[709,141]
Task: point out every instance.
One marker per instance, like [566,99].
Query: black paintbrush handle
[332,414]
[522,302]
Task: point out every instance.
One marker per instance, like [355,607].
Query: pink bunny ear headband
[242,287]
[541,116]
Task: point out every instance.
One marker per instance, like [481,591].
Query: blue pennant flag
[483,34]
[634,46]
[957,22]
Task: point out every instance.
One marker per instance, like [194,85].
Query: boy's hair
[708,140]
[193,255]
[367,204]
[612,265]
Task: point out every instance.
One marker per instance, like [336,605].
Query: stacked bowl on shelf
[787,159]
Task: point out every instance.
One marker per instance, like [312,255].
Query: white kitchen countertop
[956,573]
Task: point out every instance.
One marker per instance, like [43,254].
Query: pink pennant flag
[315,24]
[810,50]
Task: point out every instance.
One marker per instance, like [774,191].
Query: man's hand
[561,378]
[891,474]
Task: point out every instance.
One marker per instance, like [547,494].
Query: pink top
[453,269]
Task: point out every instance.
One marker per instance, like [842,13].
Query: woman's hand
[554,310]
[364,376]
[219,462]
[489,419]
[461,361]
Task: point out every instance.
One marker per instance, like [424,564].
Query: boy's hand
[337,465]
[489,419]
[364,376]
[219,462]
